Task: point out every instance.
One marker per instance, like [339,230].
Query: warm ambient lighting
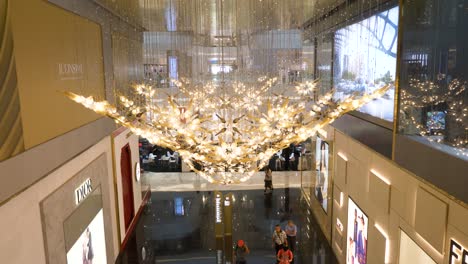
[380,176]
[341,199]
[428,245]
[227,130]
[323,133]
[387,242]
[339,225]
[343,156]
[340,203]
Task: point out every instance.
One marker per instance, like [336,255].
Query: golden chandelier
[227,130]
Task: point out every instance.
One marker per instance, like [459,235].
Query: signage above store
[137,172]
[458,254]
[218,208]
[83,191]
[339,225]
[70,71]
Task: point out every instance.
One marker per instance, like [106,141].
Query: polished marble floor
[177,225]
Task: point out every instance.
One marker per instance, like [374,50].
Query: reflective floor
[189,181]
[178,227]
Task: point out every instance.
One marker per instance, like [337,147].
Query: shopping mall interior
[234,131]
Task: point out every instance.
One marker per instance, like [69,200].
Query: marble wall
[59,205]
[394,200]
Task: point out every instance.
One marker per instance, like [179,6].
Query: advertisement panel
[321,180]
[357,235]
[90,248]
[365,59]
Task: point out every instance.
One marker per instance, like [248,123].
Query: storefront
[380,213]
[317,165]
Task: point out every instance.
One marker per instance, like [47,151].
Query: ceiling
[218,17]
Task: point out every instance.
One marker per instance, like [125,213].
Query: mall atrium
[234,131]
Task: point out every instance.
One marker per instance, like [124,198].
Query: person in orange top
[285,256]
[241,250]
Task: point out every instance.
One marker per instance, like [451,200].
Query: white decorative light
[387,242]
[429,94]
[227,130]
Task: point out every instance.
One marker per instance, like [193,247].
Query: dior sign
[83,191]
[458,254]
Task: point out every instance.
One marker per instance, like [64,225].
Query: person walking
[279,238]
[284,255]
[287,155]
[291,232]
[268,179]
[240,252]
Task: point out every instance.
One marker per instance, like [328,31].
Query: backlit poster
[356,239]
[90,248]
[321,180]
[411,253]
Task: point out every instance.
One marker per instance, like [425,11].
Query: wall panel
[55,51]
[394,200]
[11,127]
[24,241]
[430,207]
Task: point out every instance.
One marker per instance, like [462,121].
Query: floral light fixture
[227,130]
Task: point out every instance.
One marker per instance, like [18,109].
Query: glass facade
[356,50]
[324,62]
[433,75]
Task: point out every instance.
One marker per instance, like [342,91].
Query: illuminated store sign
[339,225]
[219,256]
[218,209]
[137,172]
[83,191]
[458,254]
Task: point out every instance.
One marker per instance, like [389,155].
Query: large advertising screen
[321,180]
[357,235]
[90,248]
[324,63]
[365,59]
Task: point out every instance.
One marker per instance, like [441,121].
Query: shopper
[279,238]
[297,155]
[284,255]
[268,179]
[240,251]
[286,154]
[291,232]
